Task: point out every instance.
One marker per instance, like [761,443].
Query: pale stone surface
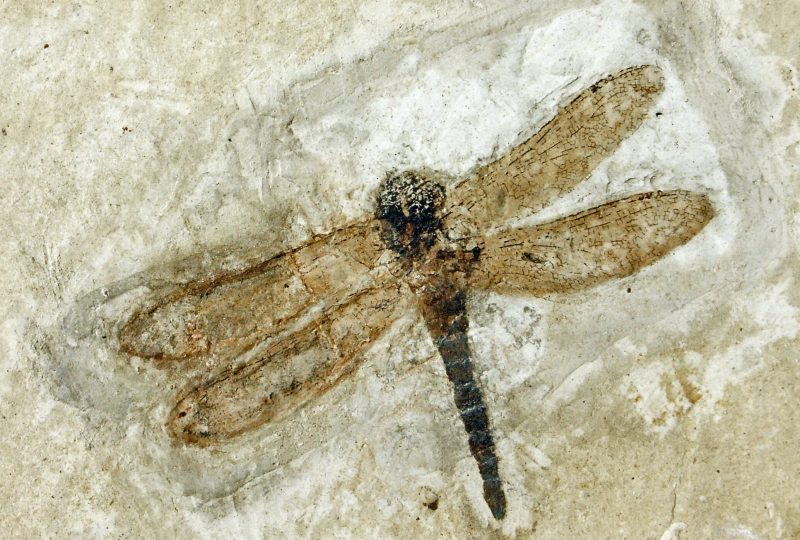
[133,136]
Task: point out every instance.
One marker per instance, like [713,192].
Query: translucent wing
[561,154]
[610,241]
[288,373]
[227,314]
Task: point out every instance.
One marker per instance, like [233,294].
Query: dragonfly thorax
[410,204]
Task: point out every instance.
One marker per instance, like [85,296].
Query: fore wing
[610,241]
[227,314]
[561,154]
[287,373]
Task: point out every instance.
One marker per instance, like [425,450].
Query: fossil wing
[227,314]
[613,240]
[562,154]
[289,372]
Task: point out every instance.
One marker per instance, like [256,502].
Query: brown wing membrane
[561,154]
[288,373]
[227,314]
[610,241]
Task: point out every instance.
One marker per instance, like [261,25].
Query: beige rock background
[133,136]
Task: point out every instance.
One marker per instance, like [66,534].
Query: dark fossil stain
[410,205]
[530,257]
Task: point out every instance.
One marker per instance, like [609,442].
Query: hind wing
[610,241]
[289,373]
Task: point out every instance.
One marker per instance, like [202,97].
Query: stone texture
[663,405]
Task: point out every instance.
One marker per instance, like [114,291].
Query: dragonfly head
[410,204]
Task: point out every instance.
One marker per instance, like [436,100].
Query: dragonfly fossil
[294,325]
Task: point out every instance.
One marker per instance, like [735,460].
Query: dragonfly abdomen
[444,309]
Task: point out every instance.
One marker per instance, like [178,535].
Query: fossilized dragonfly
[292,326]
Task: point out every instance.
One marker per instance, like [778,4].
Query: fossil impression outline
[292,326]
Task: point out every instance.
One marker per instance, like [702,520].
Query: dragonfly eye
[410,203]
